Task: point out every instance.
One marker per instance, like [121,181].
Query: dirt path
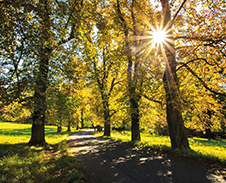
[106,161]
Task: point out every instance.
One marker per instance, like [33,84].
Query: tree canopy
[133,64]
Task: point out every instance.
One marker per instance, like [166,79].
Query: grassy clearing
[21,163]
[202,148]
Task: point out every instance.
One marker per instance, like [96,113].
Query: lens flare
[156,40]
[158,36]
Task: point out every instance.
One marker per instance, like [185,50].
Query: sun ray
[169,47]
[161,37]
[156,39]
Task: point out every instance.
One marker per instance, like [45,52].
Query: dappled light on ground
[110,161]
[84,143]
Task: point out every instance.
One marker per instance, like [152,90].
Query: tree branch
[97,76]
[71,36]
[68,20]
[18,61]
[112,86]
[201,38]
[204,84]
[181,6]
[69,75]
[184,64]
[151,99]
[62,41]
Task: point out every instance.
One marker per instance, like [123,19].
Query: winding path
[107,161]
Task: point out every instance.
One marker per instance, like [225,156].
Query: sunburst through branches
[160,37]
[157,38]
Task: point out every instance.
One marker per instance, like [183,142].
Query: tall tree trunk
[69,126]
[175,122]
[77,124]
[135,125]
[133,95]
[38,119]
[82,119]
[133,86]
[107,118]
[107,127]
[38,132]
[102,84]
[131,79]
[208,134]
[59,129]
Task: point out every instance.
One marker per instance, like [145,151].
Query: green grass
[22,163]
[200,147]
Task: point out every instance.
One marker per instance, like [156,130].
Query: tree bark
[38,119]
[132,76]
[107,118]
[77,124]
[82,119]
[175,122]
[59,129]
[107,127]
[208,134]
[102,84]
[38,134]
[135,124]
[69,126]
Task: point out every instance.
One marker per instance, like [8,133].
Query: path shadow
[108,161]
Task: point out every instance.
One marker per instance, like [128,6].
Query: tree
[37,33]
[44,52]
[201,49]
[105,75]
[175,122]
[104,59]
[133,22]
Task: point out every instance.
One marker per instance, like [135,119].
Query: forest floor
[106,161]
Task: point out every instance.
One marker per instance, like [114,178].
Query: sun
[158,36]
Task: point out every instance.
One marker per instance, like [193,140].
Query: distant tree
[104,59]
[134,19]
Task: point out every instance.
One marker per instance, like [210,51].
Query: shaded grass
[22,163]
[200,147]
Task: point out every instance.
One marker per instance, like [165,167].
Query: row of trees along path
[116,57]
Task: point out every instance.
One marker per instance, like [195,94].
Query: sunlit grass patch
[122,136]
[209,148]
[21,163]
[152,140]
[200,147]
[13,133]
[21,133]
